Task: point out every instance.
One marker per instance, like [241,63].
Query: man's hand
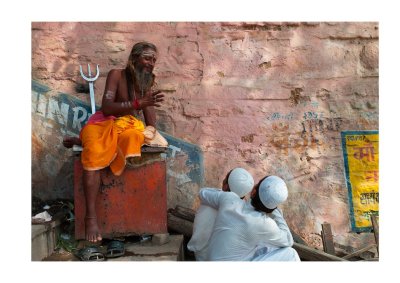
[151,99]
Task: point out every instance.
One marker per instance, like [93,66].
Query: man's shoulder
[210,189]
[115,73]
[251,211]
[263,219]
[231,197]
[117,70]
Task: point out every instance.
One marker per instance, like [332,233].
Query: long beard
[143,79]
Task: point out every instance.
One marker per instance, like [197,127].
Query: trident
[91,80]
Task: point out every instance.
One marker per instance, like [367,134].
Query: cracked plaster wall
[270,97]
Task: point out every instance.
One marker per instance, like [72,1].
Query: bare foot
[92,230]
[68,142]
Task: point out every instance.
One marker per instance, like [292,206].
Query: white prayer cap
[240,182]
[272,191]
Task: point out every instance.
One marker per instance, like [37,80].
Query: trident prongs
[91,88]
[90,79]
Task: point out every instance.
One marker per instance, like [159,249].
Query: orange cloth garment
[110,142]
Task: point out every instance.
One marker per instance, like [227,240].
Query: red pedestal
[134,203]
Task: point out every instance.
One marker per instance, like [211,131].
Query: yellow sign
[361,158]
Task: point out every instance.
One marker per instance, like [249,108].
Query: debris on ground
[41,217]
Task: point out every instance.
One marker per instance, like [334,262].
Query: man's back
[240,230]
[202,229]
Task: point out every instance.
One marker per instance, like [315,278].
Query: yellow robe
[110,142]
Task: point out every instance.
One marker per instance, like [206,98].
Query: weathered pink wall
[270,97]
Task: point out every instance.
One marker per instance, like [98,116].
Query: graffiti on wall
[361,162]
[280,116]
[313,123]
[66,112]
[320,125]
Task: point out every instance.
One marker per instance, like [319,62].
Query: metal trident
[91,89]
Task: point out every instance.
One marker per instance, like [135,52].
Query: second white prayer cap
[272,191]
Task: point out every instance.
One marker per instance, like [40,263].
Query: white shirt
[239,230]
[202,229]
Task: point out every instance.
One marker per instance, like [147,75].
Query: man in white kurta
[238,181]
[253,230]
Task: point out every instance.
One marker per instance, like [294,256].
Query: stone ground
[135,250]
[59,235]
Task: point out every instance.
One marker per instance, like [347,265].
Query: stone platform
[170,248]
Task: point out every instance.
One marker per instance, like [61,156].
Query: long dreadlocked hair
[136,51]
